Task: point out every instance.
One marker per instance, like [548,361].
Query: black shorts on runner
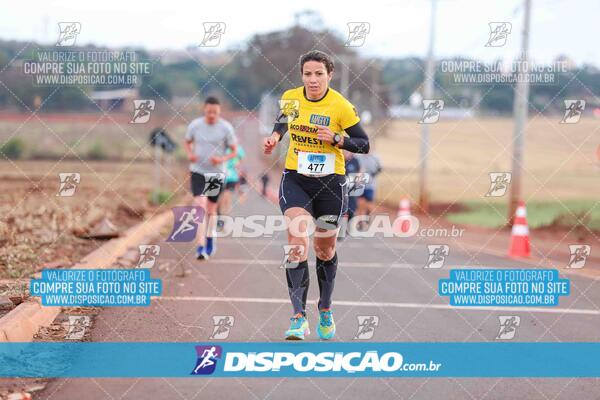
[231,186]
[325,198]
[197,181]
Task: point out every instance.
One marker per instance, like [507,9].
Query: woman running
[321,123]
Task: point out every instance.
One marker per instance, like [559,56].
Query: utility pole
[376,95]
[345,75]
[520,114]
[427,94]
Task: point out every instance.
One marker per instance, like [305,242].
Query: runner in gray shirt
[206,142]
[370,164]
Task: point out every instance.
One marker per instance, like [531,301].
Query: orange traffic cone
[402,222]
[519,241]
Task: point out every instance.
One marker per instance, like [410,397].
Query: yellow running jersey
[332,111]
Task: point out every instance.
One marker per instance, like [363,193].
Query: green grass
[97,151]
[13,148]
[567,213]
[159,197]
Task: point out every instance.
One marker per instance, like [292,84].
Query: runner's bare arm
[279,129]
[216,160]
[188,146]
[232,154]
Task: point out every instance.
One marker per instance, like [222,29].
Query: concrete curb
[23,322]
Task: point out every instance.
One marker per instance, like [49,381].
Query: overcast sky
[398,28]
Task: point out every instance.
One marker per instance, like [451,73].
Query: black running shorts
[325,198]
[197,182]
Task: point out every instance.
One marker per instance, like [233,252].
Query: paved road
[376,276]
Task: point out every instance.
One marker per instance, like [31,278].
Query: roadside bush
[13,149]
[157,197]
[97,152]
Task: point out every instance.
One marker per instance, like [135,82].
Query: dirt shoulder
[41,230]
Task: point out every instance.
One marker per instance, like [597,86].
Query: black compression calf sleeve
[326,271]
[298,281]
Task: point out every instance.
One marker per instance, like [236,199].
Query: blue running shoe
[326,329]
[201,253]
[211,246]
[298,328]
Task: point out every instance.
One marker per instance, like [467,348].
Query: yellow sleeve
[287,95]
[348,115]
[288,104]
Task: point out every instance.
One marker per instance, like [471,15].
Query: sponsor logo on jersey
[305,139]
[303,128]
[319,119]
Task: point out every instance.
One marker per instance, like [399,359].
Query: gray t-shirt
[370,164]
[209,140]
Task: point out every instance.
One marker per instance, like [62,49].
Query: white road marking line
[266,241]
[342,264]
[487,252]
[386,246]
[579,311]
[245,261]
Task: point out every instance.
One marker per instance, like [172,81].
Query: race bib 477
[315,164]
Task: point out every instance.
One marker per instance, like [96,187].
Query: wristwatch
[336,139]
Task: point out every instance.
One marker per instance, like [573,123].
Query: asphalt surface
[383,277]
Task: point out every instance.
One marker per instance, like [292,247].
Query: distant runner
[369,164]
[232,180]
[206,142]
